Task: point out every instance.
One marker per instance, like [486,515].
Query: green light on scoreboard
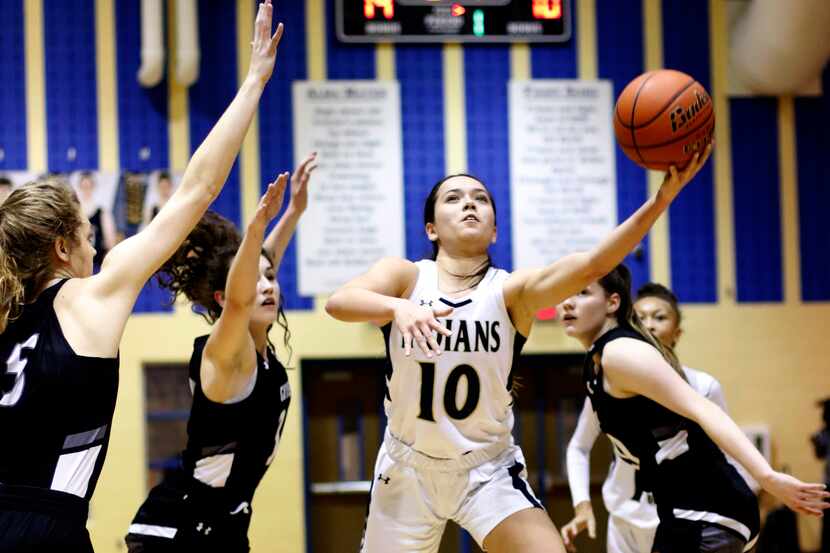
[478,23]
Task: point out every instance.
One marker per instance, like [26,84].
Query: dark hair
[163,175]
[618,282]
[655,290]
[200,267]
[429,217]
[31,219]
[5,181]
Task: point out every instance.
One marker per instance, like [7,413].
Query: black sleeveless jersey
[56,407]
[230,445]
[686,472]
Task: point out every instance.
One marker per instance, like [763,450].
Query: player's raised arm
[531,290]
[132,262]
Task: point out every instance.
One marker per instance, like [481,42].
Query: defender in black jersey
[60,326]
[55,411]
[240,389]
[665,430]
[207,506]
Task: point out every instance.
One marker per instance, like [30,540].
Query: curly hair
[199,268]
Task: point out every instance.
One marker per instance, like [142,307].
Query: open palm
[271,202]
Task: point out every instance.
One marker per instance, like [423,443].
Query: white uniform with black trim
[448,453]
[632,522]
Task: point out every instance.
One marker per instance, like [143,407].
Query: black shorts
[683,536]
[35,520]
[182,514]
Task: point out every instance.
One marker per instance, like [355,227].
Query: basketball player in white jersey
[632,520]
[61,326]
[453,328]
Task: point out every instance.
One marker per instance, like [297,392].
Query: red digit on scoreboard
[370,7]
[547,9]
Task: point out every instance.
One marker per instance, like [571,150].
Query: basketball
[662,118]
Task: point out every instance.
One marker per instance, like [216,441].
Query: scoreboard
[453,20]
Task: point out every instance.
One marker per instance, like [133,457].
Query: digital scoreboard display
[453,20]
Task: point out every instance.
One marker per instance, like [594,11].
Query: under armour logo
[203,529]
[427,303]
[382,479]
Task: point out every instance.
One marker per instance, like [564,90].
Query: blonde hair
[31,219]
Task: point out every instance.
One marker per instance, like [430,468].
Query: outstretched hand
[583,520]
[807,499]
[271,202]
[299,183]
[675,180]
[264,45]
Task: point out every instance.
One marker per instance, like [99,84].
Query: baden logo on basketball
[680,116]
[700,142]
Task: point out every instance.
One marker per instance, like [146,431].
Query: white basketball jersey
[459,401]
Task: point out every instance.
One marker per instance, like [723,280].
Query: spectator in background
[100,217]
[158,195]
[5,188]
[129,203]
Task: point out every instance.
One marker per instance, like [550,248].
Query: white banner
[355,208]
[563,184]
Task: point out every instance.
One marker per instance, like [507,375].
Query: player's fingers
[673,173]
[433,344]
[441,311]
[567,533]
[407,342]
[438,327]
[421,340]
[275,40]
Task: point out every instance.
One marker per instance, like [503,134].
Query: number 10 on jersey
[450,392]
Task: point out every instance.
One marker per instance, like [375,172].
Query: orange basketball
[662,118]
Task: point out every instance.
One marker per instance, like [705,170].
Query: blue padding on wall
[692,217]
[215,89]
[420,73]
[620,51]
[812,147]
[13,77]
[142,112]
[71,97]
[142,124]
[756,199]
[346,61]
[487,70]
[276,143]
[556,60]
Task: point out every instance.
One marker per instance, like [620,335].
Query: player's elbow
[336,306]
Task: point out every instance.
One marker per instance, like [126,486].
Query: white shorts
[413,496]
[627,538]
